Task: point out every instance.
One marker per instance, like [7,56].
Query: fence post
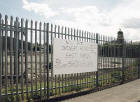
[97,38]
[139,62]
[0,59]
[123,61]
[48,61]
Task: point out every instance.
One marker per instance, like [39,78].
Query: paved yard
[129,92]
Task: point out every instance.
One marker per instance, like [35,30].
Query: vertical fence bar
[130,54]
[69,82]
[59,85]
[26,57]
[51,47]
[36,57]
[31,56]
[132,68]
[0,58]
[82,73]
[58,31]
[16,58]
[111,59]
[48,95]
[68,30]
[11,53]
[62,83]
[97,84]
[77,79]
[87,72]
[22,76]
[92,78]
[71,33]
[55,85]
[82,35]
[62,35]
[139,62]
[45,60]
[6,62]
[118,57]
[40,63]
[2,53]
[108,80]
[55,75]
[74,34]
[18,52]
[85,79]
[114,57]
[65,33]
[73,81]
[100,79]
[77,31]
[55,31]
[80,80]
[60,77]
[86,36]
[107,59]
[123,63]
[130,61]
[65,82]
[131,73]
[101,58]
[2,33]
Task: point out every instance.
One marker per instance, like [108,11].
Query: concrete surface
[129,92]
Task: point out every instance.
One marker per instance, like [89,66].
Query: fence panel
[26,61]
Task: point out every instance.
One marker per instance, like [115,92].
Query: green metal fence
[26,61]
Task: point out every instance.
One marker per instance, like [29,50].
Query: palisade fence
[26,61]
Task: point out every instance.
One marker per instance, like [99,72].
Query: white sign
[71,56]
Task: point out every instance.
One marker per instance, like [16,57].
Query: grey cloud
[132,23]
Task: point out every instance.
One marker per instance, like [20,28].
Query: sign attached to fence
[71,56]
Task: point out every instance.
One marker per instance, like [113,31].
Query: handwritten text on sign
[71,56]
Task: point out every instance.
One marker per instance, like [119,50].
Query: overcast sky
[101,16]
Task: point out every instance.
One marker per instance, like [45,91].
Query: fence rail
[26,61]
